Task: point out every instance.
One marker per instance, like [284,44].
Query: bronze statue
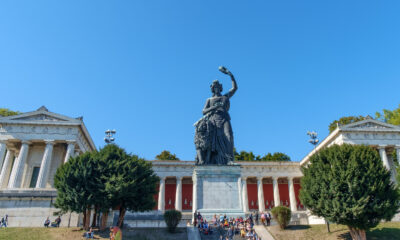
[214,136]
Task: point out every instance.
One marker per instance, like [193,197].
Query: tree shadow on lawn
[384,234]
[344,236]
[297,227]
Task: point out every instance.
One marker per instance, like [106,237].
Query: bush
[172,219]
[282,216]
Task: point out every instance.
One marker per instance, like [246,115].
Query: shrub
[172,219]
[282,216]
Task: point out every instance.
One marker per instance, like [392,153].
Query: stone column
[292,196]
[240,192]
[70,150]
[384,157]
[161,195]
[18,168]
[244,196]
[398,153]
[178,194]
[6,167]
[277,200]
[45,165]
[3,149]
[194,197]
[260,193]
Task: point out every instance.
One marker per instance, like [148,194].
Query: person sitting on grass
[58,221]
[47,222]
[115,233]
[90,234]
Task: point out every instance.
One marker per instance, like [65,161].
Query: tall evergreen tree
[77,185]
[349,185]
[130,182]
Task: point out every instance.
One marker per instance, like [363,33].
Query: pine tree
[349,185]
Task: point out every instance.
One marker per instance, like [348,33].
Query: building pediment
[40,116]
[42,124]
[370,125]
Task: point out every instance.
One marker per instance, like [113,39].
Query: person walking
[257,215]
[231,233]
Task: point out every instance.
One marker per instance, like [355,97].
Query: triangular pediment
[370,124]
[42,115]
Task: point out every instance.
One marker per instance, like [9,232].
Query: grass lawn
[77,233]
[384,231]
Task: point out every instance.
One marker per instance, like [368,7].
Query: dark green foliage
[131,182]
[172,219]
[4,112]
[106,179]
[75,183]
[166,155]
[249,156]
[349,185]
[282,215]
[344,121]
[389,116]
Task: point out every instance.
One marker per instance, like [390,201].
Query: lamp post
[314,141]
[109,136]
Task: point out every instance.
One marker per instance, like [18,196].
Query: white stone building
[32,146]
[382,136]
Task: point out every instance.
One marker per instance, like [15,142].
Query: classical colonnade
[14,156]
[259,193]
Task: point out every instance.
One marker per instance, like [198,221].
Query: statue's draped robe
[220,133]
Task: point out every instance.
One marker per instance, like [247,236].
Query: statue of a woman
[214,136]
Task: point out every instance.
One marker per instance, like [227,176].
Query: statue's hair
[215,83]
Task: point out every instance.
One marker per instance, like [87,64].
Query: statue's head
[216,87]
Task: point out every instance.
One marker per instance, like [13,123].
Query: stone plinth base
[218,190]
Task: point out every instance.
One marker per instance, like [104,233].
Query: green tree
[130,181]
[77,187]
[349,185]
[344,121]
[250,156]
[166,155]
[4,112]
[276,157]
[389,116]
[106,179]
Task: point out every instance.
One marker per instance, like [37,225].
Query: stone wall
[28,208]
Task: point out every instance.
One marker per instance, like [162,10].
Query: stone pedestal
[217,191]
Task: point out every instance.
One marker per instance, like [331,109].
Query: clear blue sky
[144,67]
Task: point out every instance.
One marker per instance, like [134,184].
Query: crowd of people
[232,226]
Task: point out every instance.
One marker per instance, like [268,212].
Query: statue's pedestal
[217,190]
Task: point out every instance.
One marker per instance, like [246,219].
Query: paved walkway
[263,233]
[193,233]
